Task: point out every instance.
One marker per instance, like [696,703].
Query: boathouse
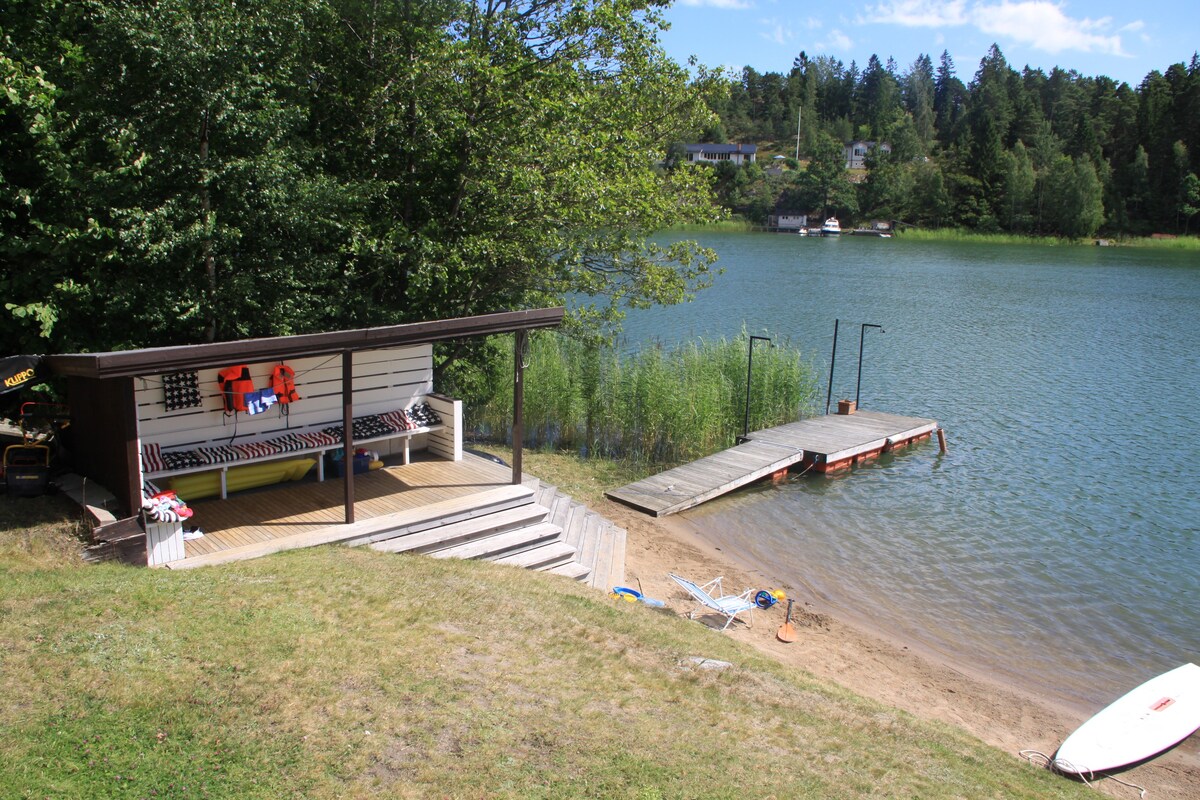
[201,416]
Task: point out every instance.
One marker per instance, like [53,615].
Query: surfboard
[1155,716]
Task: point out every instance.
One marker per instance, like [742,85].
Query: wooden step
[589,543]
[441,514]
[573,570]
[415,519]
[461,532]
[502,544]
[576,517]
[554,554]
[601,562]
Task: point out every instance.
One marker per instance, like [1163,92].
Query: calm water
[1058,542]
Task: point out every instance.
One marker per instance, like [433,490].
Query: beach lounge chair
[712,596]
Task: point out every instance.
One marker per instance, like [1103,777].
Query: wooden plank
[829,438]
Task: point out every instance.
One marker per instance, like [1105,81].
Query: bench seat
[221,454]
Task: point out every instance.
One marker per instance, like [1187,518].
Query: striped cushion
[397,420]
[256,449]
[152,458]
[318,439]
[217,455]
[290,443]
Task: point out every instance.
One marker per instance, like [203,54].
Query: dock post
[941,441]
[832,361]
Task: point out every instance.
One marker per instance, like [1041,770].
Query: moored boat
[831,227]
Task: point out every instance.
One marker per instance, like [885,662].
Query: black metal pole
[749,368]
[520,339]
[861,331]
[348,432]
[832,361]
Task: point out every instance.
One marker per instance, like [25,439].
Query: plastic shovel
[787,633]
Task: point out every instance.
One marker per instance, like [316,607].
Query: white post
[164,543]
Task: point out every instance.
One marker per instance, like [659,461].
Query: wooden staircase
[532,526]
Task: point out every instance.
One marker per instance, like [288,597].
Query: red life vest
[235,384]
[283,381]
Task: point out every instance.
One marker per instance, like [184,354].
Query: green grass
[720,226]
[971,237]
[337,672]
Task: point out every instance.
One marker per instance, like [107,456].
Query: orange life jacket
[283,381]
[235,384]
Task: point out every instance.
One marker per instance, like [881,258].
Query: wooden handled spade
[787,633]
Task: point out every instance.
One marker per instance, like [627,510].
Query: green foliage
[654,406]
[185,171]
[1142,142]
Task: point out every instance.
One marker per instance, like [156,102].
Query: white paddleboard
[1159,714]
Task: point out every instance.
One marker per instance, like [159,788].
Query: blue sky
[1123,40]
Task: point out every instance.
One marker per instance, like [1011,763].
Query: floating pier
[822,444]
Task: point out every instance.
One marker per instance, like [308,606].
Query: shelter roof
[161,360]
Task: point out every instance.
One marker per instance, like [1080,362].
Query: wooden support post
[521,338]
[941,440]
[348,431]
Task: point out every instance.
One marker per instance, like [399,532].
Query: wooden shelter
[120,414]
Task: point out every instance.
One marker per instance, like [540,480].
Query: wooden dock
[822,444]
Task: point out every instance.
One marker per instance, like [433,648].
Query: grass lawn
[337,672]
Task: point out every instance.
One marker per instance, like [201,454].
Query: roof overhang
[161,360]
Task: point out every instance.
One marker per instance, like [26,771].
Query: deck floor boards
[828,439]
[285,510]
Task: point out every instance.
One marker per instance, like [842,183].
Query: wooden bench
[241,450]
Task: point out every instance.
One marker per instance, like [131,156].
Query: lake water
[1057,544]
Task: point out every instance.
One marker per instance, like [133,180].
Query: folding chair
[727,605]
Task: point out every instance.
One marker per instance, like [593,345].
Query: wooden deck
[823,444]
[307,513]
[464,509]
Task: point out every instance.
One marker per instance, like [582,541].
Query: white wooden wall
[384,380]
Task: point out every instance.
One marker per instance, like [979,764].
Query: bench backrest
[384,380]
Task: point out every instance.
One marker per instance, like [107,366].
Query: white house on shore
[715,153]
[856,152]
[787,221]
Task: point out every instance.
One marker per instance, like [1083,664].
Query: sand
[896,673]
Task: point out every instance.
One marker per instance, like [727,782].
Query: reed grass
[721,226]
[973,237]
[964,235]
[656,406]
[1188,243]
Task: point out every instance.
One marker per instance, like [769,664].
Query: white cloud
[1044,26]
[835,42]
[918,13]
[776,32]
[1041,24]
[736,5]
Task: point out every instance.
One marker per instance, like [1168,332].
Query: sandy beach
[892,672]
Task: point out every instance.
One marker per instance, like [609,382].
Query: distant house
[787,221]
[856,152]
[715,153]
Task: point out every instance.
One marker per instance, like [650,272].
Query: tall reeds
[654,406]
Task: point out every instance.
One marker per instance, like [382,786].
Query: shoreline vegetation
[1187,242]
[654,407]
[344,672]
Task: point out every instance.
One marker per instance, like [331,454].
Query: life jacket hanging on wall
[235,384]
[283,381]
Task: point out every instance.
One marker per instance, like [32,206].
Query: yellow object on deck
[248,476]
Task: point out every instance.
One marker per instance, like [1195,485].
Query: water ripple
[1058,542]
